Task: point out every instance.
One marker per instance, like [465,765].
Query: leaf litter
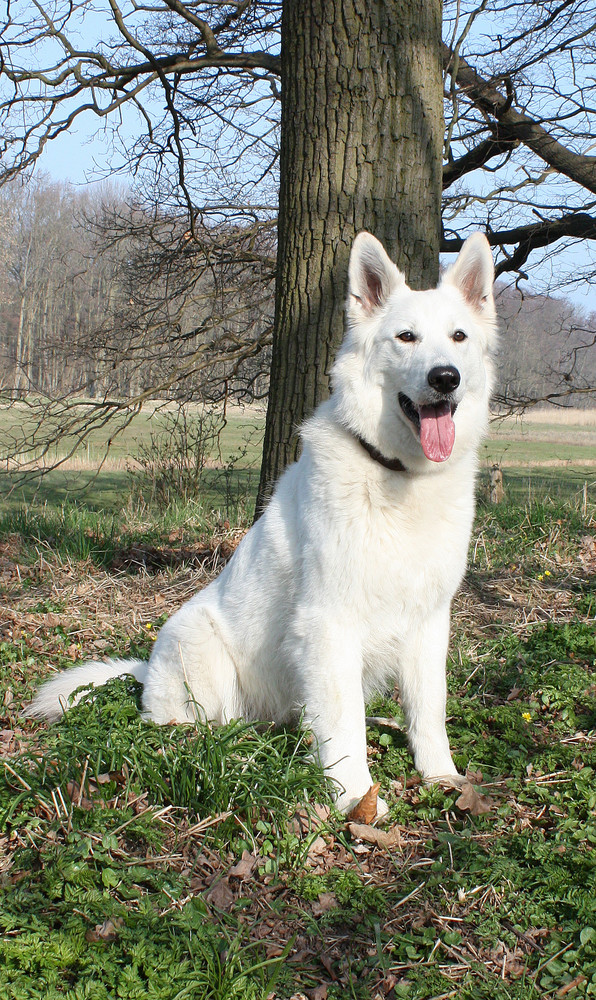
[362,905]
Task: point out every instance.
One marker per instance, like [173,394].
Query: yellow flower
[547,572]
[540,577]
[527,716]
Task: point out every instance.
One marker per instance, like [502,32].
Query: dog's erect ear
[474,273]
[372,275]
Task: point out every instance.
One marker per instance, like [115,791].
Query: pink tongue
[437,431]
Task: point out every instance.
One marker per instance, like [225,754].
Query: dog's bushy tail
[52,699]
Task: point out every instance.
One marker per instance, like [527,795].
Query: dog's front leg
[423,690]
[329,659]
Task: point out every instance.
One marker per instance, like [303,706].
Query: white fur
[344,585]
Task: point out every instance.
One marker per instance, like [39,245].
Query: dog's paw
[454,780]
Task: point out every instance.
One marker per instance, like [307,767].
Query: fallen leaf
[318,846]
[309,818]
[245,867]
[366,810]
[473,801]
[319,992]
[362,848]
[326,901]
[220,895]
[74,792]
[587,553]
[108,931]
[372,835]
[325,961]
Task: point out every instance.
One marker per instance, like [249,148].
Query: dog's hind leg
[192,674]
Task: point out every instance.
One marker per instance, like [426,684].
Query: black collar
[393,464]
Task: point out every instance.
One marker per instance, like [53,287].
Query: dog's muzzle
[433,421]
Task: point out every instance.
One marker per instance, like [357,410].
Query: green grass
[233,768]
[120,838]
[533,452]
[564,483]
[109,492]
[521,448]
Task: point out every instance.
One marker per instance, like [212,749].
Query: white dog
[344,584]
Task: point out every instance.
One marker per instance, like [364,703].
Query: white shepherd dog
[344,585]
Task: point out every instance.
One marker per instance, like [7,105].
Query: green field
[102,478]
[126,435]
[548,454]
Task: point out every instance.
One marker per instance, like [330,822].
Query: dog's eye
[406,336]
[459,335]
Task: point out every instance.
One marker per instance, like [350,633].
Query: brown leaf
[319,992]
[473,801]
[387,839]
[74,792]
[318,846]
[220,895]
[327,964]
[108,931]
[326,901]
[366,810]
[245,867]
[309,818]
[587,553]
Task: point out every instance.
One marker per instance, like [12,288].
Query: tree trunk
[361,140]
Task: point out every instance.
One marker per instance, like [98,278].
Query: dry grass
[563,416]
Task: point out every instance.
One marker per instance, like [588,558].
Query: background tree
[199,86]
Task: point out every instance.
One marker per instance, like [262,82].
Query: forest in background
[82,302]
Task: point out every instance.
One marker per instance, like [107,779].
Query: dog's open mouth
[434,426]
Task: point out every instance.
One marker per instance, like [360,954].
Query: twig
[204,824]
[156,815]
[523,937]
[17,776]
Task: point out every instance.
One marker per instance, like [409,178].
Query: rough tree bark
[361,139]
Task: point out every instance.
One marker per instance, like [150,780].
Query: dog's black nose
[444,378]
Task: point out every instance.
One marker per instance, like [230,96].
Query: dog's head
[414,372]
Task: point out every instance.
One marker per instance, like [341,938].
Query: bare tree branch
[498,107]
[578,225]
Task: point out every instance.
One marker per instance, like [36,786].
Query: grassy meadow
[207,862]
[540,452]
